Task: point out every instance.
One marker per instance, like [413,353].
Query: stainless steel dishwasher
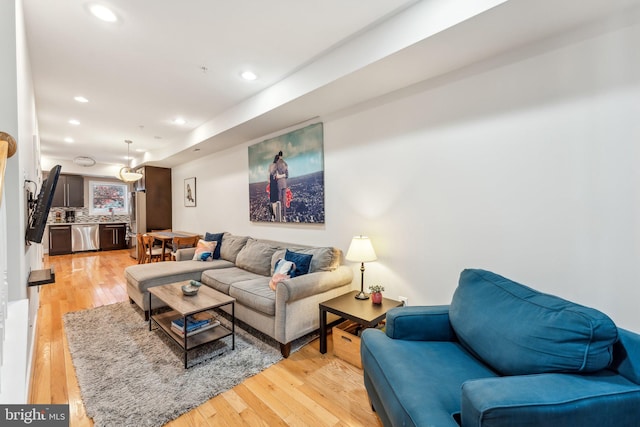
[85,237]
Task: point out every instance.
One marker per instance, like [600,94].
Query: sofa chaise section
[141,277]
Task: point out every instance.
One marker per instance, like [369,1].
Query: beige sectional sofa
[243,271]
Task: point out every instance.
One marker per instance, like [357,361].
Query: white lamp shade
[361,250]
[127,175]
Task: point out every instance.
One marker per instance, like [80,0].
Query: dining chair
[142,256]
[182,243]
[150,252]
[167,244]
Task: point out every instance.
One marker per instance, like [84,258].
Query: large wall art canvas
[286,177]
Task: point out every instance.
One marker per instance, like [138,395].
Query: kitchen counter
[85,223]
[84,236]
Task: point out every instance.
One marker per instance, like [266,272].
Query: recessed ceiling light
[103,13]
[179,121]
[248,75]
[74,122]
[68,140]
[141,150]
[81,99]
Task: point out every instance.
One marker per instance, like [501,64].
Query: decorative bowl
[192,288]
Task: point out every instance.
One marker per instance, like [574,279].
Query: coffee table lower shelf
[183,306]
[163,320]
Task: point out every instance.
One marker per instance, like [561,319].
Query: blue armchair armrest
[545,400]
[627,355]
[420,323]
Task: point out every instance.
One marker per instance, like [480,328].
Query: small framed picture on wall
[190,192]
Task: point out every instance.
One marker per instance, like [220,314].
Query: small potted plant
[376,293]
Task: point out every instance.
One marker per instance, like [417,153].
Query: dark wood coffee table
[363,312]
[183,306]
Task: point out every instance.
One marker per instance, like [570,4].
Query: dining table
[167,236]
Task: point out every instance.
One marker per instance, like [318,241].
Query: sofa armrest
[420,323]
[185,254]
[551,400]
[313,283]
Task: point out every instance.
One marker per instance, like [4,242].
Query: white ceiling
[145,70]
[312,58]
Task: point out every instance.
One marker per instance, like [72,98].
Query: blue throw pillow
[302,262]
[217,237]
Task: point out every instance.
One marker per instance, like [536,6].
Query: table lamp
[361,251]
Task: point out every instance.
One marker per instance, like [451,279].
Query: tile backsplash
[82,215]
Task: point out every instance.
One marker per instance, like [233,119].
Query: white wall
[17,117]
[526,165]
[9,124]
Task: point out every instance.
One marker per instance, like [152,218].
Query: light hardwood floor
[307,389]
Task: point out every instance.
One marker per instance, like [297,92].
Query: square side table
[363,312]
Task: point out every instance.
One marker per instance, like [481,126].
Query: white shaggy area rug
[130,376]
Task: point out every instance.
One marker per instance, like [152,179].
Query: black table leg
[186,336]
[323,331]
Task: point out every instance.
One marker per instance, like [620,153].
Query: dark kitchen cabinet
[112,236]
[59,239]
[69,192]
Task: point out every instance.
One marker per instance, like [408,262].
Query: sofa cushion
[221,279]
[256,256]
[143,276]
[519,331]
[255,294]
[231,246]
[418,381]
[323,259]
[215,237]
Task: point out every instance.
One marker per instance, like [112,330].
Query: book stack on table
[195,324]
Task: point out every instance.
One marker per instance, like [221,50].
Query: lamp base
[361,295]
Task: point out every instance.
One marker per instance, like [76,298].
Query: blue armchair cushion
[517,330]
[417,382]
[601,399]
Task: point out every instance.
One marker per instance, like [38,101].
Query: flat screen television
[39,215]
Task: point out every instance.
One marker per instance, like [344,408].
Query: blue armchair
[502,354]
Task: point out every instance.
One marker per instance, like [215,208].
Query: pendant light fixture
[127,174]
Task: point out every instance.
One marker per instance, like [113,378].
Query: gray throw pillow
[255,257]
[231,246]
